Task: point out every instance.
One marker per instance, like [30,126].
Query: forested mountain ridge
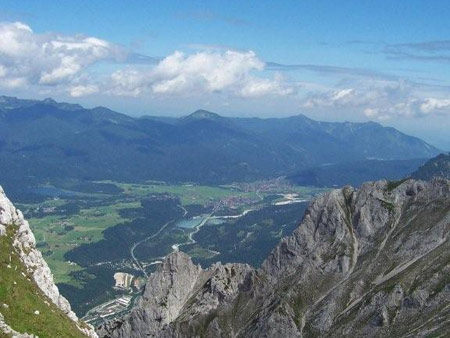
[436,167]
[66,140]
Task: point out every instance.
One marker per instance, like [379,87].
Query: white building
[123,280]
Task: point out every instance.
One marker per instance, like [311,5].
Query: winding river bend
[289,199]
[135,245]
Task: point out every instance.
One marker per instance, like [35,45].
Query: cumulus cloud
[431,105]
[381,100]
[54,60]
[232,72]
[83,90]
[28,58]
[257,87]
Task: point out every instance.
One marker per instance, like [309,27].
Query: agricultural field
[89,231]
[57,232]
[187,193]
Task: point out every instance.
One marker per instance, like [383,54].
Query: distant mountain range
[355,173]
[42,140]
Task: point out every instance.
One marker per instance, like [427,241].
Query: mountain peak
[203,115]
[61,105]
[49,100]
[10,102]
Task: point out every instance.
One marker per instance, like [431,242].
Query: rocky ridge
[24,245]
[370,262]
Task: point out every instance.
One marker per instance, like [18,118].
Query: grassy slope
[23,298]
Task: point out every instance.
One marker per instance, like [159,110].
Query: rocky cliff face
[368,262]
[34,274]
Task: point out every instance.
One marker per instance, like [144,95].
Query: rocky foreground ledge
[368,262]
[24,266]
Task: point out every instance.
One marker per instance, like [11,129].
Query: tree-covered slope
[65,140]
[436,167]
[355,173]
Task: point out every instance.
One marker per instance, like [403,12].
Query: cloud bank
[27,59]
[57,63]
[229,72]
[381,100]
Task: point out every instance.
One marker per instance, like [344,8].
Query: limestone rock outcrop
[367,262]
[24,244]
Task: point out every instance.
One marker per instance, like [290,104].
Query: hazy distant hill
[45,139]
[436,167]
[355,173]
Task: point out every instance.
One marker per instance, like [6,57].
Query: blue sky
[386,61]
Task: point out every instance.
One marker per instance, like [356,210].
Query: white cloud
[27,58]
[381,100]
[127,82]
[63,63]
[339,97]
[81,90]
[257,87]
[214,71]
[231,72]
[431,105]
